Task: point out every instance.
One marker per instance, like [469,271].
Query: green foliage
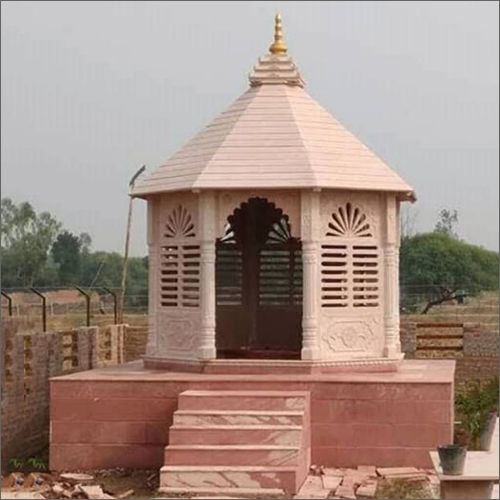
[446,222]
[37,463]
[33,463]
[472,406]
[403,489]
[26,240]
[104,269]
[36,253]
[438,266]
[66,253]
[16,463]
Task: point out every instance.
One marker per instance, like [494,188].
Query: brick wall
[28,361]
[478,358]
[135,341]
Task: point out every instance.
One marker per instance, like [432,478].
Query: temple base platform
[123,416]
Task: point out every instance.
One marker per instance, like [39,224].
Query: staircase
[241,443]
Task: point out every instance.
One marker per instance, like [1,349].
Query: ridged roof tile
[274,136]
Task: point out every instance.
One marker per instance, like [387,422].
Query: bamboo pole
[127,242]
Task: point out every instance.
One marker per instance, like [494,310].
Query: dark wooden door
[259,284]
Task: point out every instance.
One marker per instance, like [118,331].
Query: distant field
[481,309]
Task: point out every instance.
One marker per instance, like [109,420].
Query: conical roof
[274,136]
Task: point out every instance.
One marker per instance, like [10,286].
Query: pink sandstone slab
[331,482]
[312,488]
[371,470]
[345,491]
[367,490]
[383,415]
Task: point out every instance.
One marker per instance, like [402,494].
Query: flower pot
[452,458]
[487,432]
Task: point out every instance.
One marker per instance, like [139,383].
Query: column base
[309,353]
[207,353]
[393,352]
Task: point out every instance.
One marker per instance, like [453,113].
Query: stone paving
[361,482]
[322,483]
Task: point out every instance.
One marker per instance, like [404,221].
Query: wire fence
[67,306]
[60,307]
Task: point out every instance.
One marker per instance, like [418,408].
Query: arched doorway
[258,285]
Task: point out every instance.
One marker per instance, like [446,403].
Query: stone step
[232,454]
[241,400]
[287,435]
[220,493]
[259,481]
[237,417]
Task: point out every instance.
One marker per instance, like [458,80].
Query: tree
[408,221]
[442,267]
[66,253]
[26,240]
[446,222]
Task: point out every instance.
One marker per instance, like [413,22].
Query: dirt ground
[141,484]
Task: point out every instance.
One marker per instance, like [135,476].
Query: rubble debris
[315,470]
[328,471]
[345,490]
[125,494]
[76,478]
[57,489]
[312,488]
[331,482]
[370,470]
[367,490]
[14,479]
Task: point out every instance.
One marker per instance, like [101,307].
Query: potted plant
[488,428]
[452,458]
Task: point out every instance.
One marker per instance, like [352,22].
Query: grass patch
[403,488]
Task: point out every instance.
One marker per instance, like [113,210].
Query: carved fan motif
[229,236]
[279,232]
[179,224]
[349,222]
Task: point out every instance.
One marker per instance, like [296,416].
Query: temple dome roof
[274,136]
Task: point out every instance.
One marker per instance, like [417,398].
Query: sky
[92,90]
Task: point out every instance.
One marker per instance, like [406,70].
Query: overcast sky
[92,90]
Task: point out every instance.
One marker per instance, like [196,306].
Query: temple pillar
[154,279]
[310,228]
[392,344]
[207,223]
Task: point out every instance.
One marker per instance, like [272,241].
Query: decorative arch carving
[179,224]
[288,201]
[349,221]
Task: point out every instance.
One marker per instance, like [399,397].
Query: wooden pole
[127,241]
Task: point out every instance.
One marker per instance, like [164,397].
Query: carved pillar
[207,222]
[392,344]
[153,242]
[310,226]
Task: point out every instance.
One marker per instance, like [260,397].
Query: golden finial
[278,47]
